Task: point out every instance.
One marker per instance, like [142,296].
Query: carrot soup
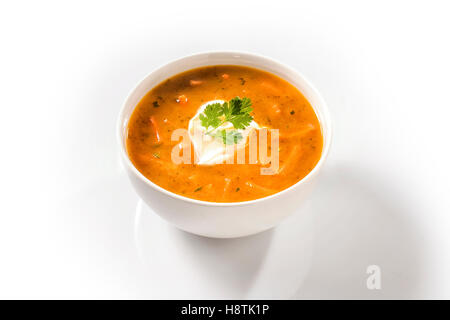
[201,134]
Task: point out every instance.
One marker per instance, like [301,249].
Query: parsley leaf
[227,109]
[211,115]
[228,136]
[236,111]
[241,106]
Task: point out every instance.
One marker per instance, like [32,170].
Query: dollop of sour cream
[210,150]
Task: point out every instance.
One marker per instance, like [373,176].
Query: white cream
[210,150]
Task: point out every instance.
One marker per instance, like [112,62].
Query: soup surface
[176,101]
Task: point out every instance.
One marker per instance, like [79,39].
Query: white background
[72,227]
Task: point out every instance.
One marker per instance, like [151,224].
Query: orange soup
[230,104]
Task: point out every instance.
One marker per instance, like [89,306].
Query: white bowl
[223,220]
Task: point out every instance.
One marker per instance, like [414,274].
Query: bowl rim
[323,108]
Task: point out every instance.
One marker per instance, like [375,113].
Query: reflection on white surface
[323,251]
[271,264]
[359,222]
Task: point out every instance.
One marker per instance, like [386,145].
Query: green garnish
[211,116]
[237,189]
[155,104]
[236,111]
[198,189]
[156,155]
[228,136]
